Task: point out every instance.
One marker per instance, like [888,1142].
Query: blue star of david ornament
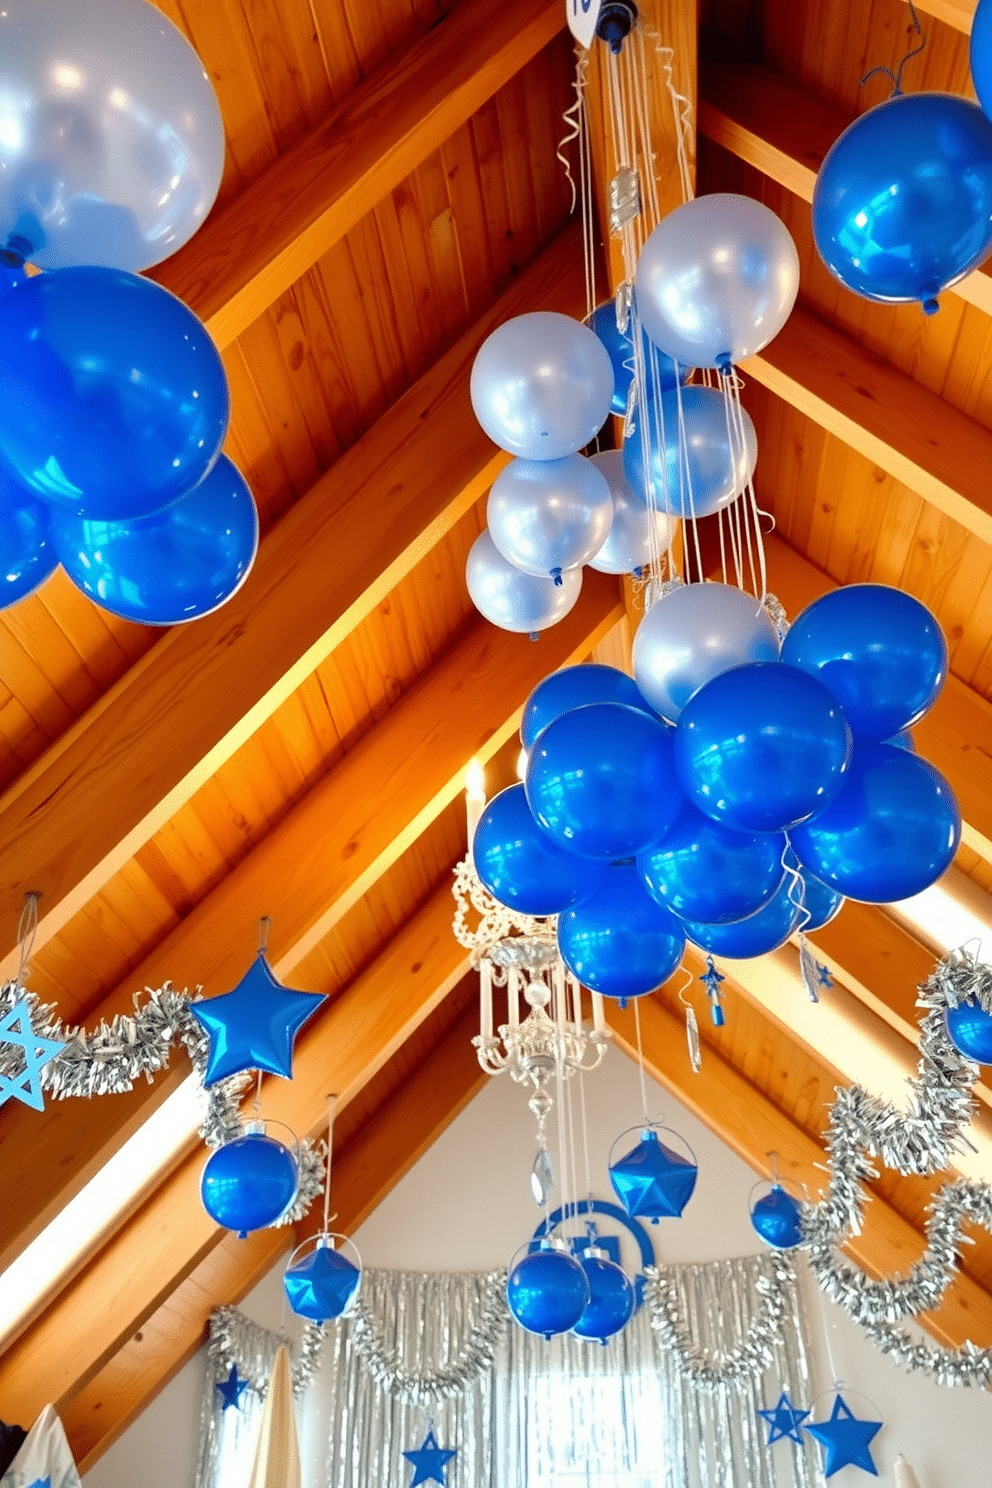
[845,1439]
[15,1028]
[254,1026]
[783,1420]
[651,1181]
[323,1285]
[429,1461]
[232,1389]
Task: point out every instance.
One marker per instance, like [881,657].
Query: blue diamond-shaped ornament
[323,1285]
[651,1181]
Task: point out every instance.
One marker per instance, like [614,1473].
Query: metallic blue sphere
[611,1297]
[249,1183]
[969,1028]
[777,1219]
[323,1285]
[547,1292]
[651,1181]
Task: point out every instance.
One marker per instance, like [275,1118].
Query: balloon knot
[14,252]
[556,575]
[535,635]
[724,364]
[931,305]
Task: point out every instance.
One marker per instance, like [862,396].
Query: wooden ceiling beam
[365,1170]
[309,871]
[956,13]
[247,255]
[101,791]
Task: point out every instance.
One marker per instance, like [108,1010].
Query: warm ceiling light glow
[951,914]
[522,765]
[475,780]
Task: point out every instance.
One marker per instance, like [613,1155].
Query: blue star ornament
[254,1026]
[232,1389]
[41,1483]
[15,1028]
[845,1439]
[429,1461]
[651,1181]
[783,1420]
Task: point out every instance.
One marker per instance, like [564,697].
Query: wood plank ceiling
[392,192]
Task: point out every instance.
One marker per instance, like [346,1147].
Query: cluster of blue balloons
[115,402]
[903,202]
[734,793]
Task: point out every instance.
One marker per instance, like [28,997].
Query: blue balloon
[718,470]
[969,1028]
[902,206]
[778,1220]
[703,871]
[322,1285]
[820,901]
[755,936]
[762,747]
[115,399]
[176,565]
[620,348]
[880,652]
[902,740]
[611,1298]
[27,556]
[249,1183]
[890,833]
[547,1291]
[601,781]
[573,687]
[619,941]
[981,54]
[521,866]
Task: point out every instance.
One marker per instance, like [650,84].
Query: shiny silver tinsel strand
[740,1365]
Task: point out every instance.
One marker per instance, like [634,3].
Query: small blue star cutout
[823,975]
[254,1026]
[15,1028]
[232,1389]
[783,1420]
[41,1483]
[429,1461]
[845,1439]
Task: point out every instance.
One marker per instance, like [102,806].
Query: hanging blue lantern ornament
[250,1182]
[777,1218]
[574,687]
[696,469]
[547,1290]
[324,1284]
[969,1028]
[902,206]
[549,516]
[618,940]
[637,537]
[651,1180]
[659,371]
[611,1296]
[513,600]
[521,866]
[703,871]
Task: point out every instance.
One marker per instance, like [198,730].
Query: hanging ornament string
[896,77]
[640,1062]
[27,929]
[332,1101]
[576,120]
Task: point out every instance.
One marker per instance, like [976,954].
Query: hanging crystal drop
[542,1177]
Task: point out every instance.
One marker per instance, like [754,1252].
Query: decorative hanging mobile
[651,1180]
[430,1461]
[783,1421]
[845,1439]
[324,1284]
[613,1297]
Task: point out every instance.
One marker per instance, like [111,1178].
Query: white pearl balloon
[691,635]
[628,546]
[547,516]
[514,600]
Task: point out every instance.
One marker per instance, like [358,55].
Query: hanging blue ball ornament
[902,206]
[249,1183]
[521,866]
[703,871]
[547,1291]
[651,1181]
[601,781]
[969,1028]
[981,55]
[777,1219]
[27,556]
[619,941]
[764,931]
[701,473]
[324,1284]
[611,1297]
[659,371]
[879,651]
[573,687]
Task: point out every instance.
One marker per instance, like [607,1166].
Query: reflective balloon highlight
[512,599]
[547,516]
[619,941]
[573,687]
[27,556]
[703,871]
[777,1218]
[718,468]
[520,865]
[636,535]
[760,933]
[611,1298]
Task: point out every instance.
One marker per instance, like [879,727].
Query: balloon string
[27,929]
[331,1107]
[264,926]
[796,891]
[585,1129]
[896,77]
[640,1061]
[573,127]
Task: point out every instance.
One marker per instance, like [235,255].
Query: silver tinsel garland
[751,1355]
[235,1340]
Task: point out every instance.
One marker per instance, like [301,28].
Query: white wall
[467,1206]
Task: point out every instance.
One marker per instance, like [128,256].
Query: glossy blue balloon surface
[659,369]
[176,565]
[760,933]
[27,556]
[651,1181]
[969,1028]
[762,747]
[115,398]
[322,1285]
[820,901]
[601,781]
[890,833]
[777,1219]
[704,473]
[619,941]
[249,1183]
[573,687]
[521,866]
[981,54]
[611,1299]
[703,871]
[880,652]
[547,1292]
[902,206]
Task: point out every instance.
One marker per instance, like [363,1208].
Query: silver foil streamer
[625,198]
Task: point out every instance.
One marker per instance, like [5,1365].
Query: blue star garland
[783,1420]
[253,1027]
[845,1439]
[15,1028]
[232,1389]
[429,1461]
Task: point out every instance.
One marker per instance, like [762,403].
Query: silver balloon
[718,470]
[691,635]
[716,280]
[111,140]
[628,546]
[547,516]
[514,600]
[542,385]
